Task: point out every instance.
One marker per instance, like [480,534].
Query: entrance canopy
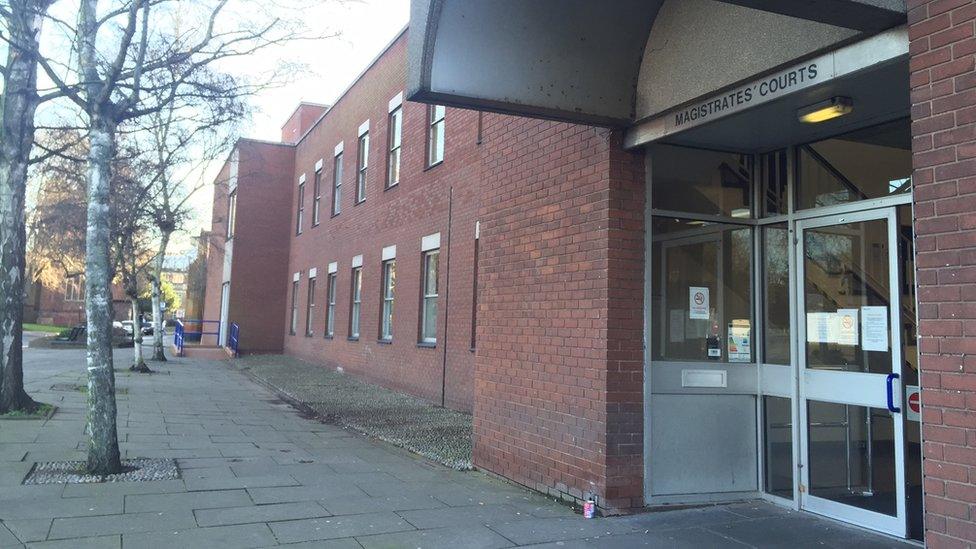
[613,63]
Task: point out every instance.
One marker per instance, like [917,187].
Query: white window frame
[356,302]
[316,197]
[436,115]
[231,214]
[362,166]
[429,295]
[310,308]
[337,183]
[330,305]
[388,295]
[394,147]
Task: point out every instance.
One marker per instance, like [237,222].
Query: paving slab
[191,500]
[260,513]
[100,542]
[477,537]
[339,527]
[121,524]
[219,537]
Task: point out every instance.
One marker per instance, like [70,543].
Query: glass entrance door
[852,464]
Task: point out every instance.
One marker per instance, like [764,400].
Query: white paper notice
[846,320]
[874,328]
[698,303]
[818,327]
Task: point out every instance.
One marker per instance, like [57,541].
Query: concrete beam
[863,15]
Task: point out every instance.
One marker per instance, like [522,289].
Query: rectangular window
[294,308]
[231,214]
[389,285]
[330,309]
[317,200]
[435,134]
[428,309]
[310,308]
[337,185]
[300,218]
[393,160]
[363,165]
[356,302]
[74,289]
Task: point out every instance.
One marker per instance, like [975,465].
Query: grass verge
[46,328]
[43,411]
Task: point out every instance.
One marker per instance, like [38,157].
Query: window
[74,289]
[435,134]
[294,308]
[310,308]
[389,285]
[362,165]
[337,185]
[715,183]
[330,307]
[428,309]
[231,214]
[317,200]
[356,302]
[393,161]
[300,220]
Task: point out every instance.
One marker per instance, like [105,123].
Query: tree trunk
[19,102]
[103,441]
[158,349]
[138,362]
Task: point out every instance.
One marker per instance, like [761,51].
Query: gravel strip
[415,424]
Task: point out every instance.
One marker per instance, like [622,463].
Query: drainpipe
[447,296]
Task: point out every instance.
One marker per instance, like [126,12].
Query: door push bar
[891,394]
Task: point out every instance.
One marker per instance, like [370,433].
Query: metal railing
[193,330]
[234,338]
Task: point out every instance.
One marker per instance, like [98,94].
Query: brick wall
[943,84]
[421,204]
[559,368]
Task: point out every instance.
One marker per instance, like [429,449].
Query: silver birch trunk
[103,442]
[157,283]
[138,362]
[19,103]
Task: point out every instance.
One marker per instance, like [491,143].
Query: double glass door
[851,320]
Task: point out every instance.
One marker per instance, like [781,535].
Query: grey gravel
[412,423]
[72,472]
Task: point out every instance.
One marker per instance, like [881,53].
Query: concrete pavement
[257,474]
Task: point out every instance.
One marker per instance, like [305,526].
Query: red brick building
[687,251]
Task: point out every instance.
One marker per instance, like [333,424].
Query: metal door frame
[813,381]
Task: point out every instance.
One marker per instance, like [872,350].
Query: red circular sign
[848,322]
[914,402]
[699,298]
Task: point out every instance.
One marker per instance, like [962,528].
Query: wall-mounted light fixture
[825,110]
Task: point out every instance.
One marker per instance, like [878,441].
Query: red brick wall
[420,205]
[301,120]
[559,368]
[944,131]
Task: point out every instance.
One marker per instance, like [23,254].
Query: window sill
[352,338]
[329,337]
[426,344]
[358,202]
[391,187]
[472,349]
[316,224]
[309,335]
[336,214]
[291,333]
[434,165]
[385,341]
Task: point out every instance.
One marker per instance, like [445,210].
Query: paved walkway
[256,474]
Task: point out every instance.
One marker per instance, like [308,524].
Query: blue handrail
[234,339]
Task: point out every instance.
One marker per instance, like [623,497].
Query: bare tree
[18,104]
[131,59]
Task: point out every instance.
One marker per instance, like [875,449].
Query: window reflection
[699,181]
[701,291]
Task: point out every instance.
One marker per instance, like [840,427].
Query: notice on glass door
[845,324]
[698,303]
[874,328]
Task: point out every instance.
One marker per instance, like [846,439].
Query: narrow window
[428,309]
[231,214]
[317,200]
[294,308]
[474,292]
[393,162]
[389,285]
[363,165]
[356,301]
[330,310]
[300,220]
[310,308]
[337,186]
[435,134]
[74,289]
